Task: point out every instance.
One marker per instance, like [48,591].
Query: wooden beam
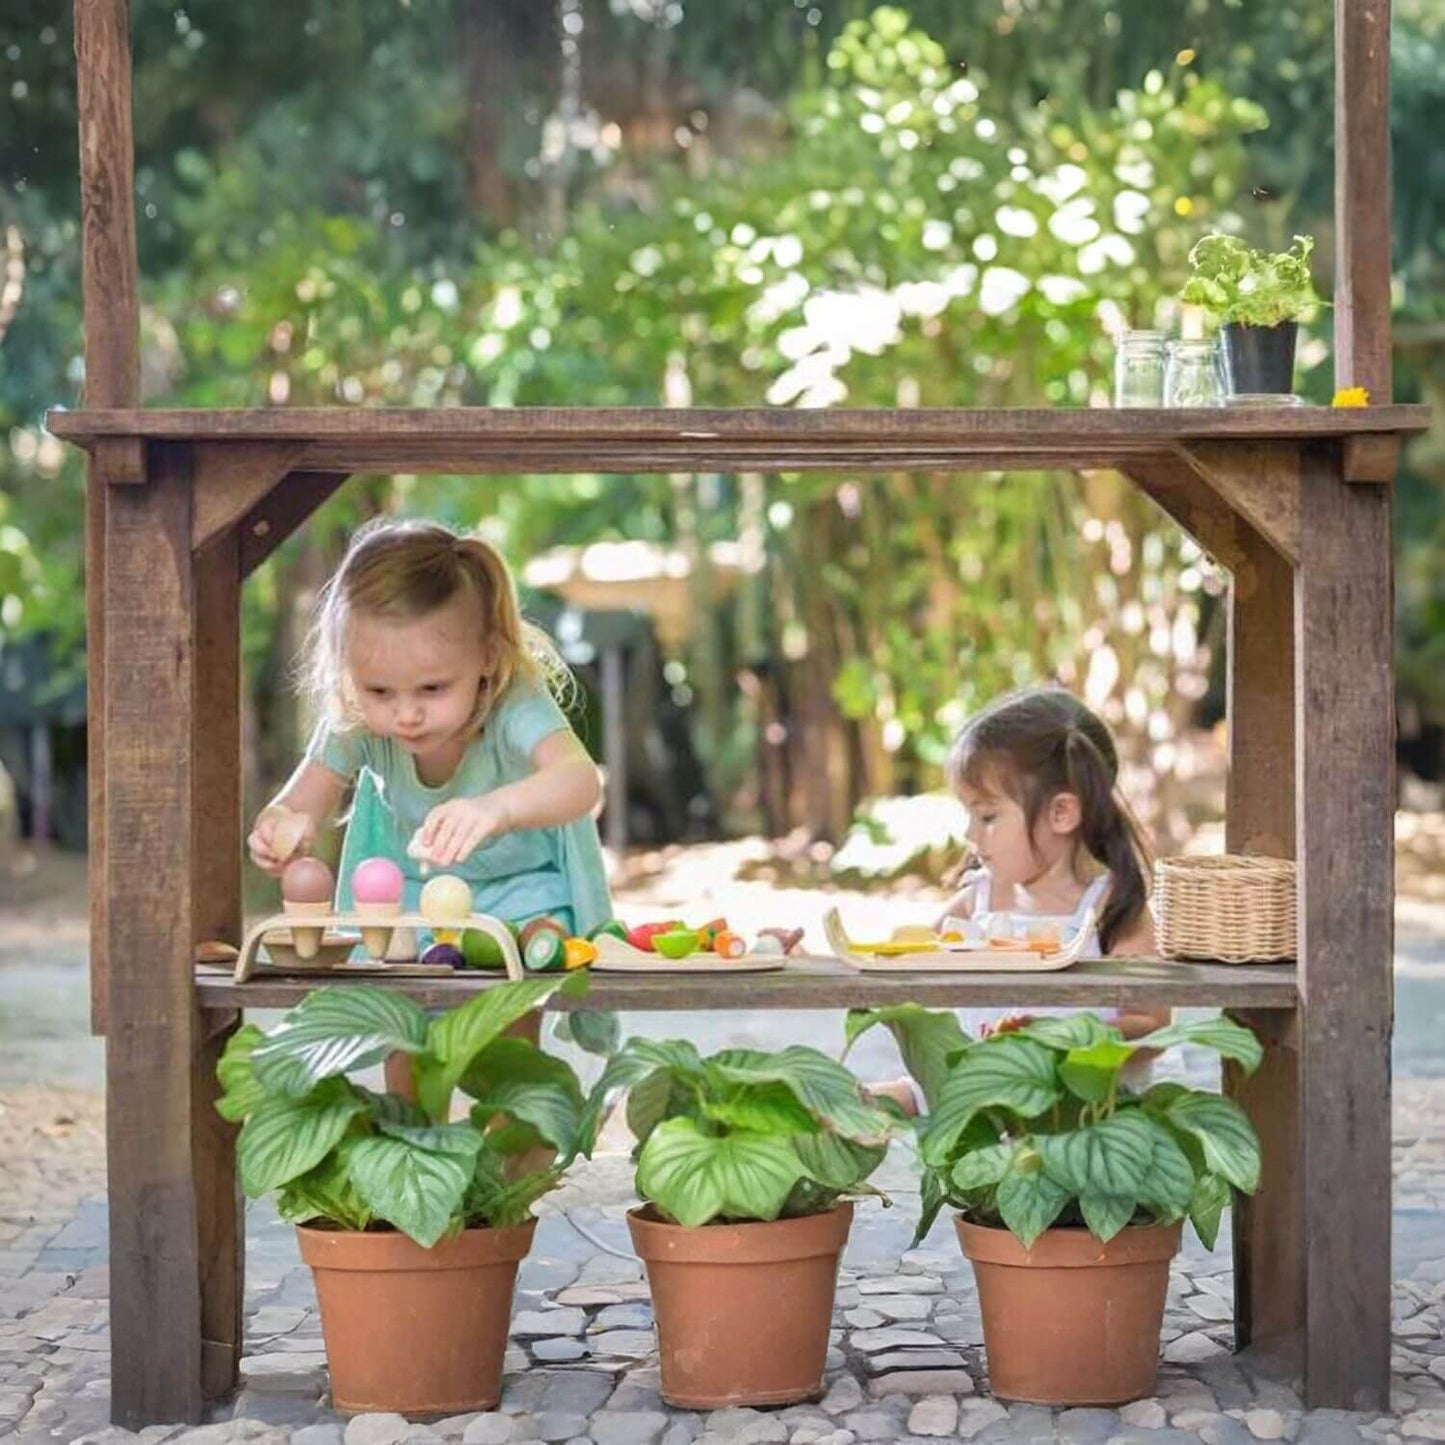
[1371,457]
[1259,481]
[155,1268]
[1259,818]
[112,372]
[1362,196]
[231,480]
[1344,742]
[289,504]
[216,907]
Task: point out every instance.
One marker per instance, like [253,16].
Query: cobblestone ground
[906,1362]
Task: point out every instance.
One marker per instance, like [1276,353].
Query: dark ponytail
[1107,829]
[1036,744]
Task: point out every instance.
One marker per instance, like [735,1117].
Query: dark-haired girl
[1037,772]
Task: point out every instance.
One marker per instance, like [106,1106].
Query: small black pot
[1259,358]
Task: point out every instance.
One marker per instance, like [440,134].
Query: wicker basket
[1231,909]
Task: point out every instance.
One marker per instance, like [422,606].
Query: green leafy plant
[1033,1128]
[338,1152]
[742,1135]
[1247,287]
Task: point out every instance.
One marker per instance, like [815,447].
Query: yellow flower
[1351,396]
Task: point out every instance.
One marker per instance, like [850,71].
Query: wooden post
[614,742]
[1268,1229]
[112,369]
[1362,196]
[151,1123]
[1344,749]
[216,832]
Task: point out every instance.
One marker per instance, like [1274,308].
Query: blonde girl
[436,707]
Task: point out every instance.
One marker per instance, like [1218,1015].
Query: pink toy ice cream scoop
[377,880]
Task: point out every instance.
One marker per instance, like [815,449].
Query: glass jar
[1139,369]
[1193,374]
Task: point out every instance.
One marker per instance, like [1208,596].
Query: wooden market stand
[183,505]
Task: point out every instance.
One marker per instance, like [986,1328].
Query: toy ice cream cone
[306,888]
[376,887]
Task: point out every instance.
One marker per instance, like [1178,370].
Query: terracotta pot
[743,1310]
[412,1330]
[1071,1321]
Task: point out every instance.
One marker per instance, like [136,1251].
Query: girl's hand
[277,836]
[454,830]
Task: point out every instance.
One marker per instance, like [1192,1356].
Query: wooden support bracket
[231,478]
[1169,480]
[1257,480]
[1371,457]
[277,515]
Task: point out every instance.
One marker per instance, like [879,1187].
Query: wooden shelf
[565,439]
[824,983]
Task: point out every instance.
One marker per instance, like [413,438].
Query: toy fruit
[769,945]
[444,955]
[481,950]
[727,944]
[542,942]
[709,931]
[789,938]
[613,928]
[642,936]
[578,953]
[676,943]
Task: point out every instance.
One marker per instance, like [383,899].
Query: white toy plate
[956,959]
[614,955]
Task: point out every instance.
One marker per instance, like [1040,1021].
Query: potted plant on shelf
[1071,1189]
[413,1223]
[1259,298]
[744,1163]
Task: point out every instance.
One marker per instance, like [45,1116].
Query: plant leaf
[1224,1133]
[983,1168]
[1228,1039]
[927,1039]
[1011,1072]
[1091,1073]
[633,1062]
[420,1191]
[1206,1208]
[1129,1155]
[839,1164]
[933,1196]
[594,1031]
[1028,1199]
[821,1085]
[241,1091]
[456,1038]
[513,1078]
[325,1192]
[1105,1214]
[333,1030]
[1074,1031]
[695,1177]
[648,1103]
[765,1108]
[284,1137]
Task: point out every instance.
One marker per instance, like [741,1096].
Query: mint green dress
[556,871]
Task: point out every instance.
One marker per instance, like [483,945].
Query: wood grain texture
[1371,458]
[1362,196]
[216,906]
[1258,481]
[1259,818]
[231,480]
[155,1304]
[112,370]
[1169,480]
[1344,740]
[824,983]
[941,428]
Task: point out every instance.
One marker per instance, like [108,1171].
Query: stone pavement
[906,1362]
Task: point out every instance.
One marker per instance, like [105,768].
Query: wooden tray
[285,960]
[614,955]
[956,960]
